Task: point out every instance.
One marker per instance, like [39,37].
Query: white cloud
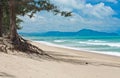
[85,15]
[98,10]
[71,4]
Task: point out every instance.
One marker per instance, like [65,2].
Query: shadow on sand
[6,75]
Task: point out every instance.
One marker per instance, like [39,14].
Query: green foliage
[23,7]
[32,6]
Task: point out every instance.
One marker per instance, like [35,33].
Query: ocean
[99,44]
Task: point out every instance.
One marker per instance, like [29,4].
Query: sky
[100,15]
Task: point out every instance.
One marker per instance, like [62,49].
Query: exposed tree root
[3,46]
[23,45]
[20,44]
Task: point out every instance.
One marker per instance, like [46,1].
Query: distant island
[83,32]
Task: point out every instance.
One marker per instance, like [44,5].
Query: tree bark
[13,30]
[1,16]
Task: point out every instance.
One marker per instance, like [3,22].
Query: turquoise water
[103,44]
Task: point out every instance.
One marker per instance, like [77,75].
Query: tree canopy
[23,7]
[9,22]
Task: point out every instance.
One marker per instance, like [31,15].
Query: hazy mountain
[83,32]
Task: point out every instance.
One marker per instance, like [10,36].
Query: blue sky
[100,15]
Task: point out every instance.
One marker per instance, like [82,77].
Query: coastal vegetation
[10,22]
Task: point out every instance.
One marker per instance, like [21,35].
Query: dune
[66,63]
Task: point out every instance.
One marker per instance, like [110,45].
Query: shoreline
[88,56]
[66,63]
[78,49]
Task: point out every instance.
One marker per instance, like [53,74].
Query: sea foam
[78,49]
[100,43]
[59,41]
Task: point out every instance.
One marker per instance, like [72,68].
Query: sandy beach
[67,63]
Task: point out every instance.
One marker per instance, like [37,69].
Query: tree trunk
[13,30]
[1,16]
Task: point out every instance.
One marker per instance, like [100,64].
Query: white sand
[71,65]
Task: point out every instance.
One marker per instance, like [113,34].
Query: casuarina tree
[23,7]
